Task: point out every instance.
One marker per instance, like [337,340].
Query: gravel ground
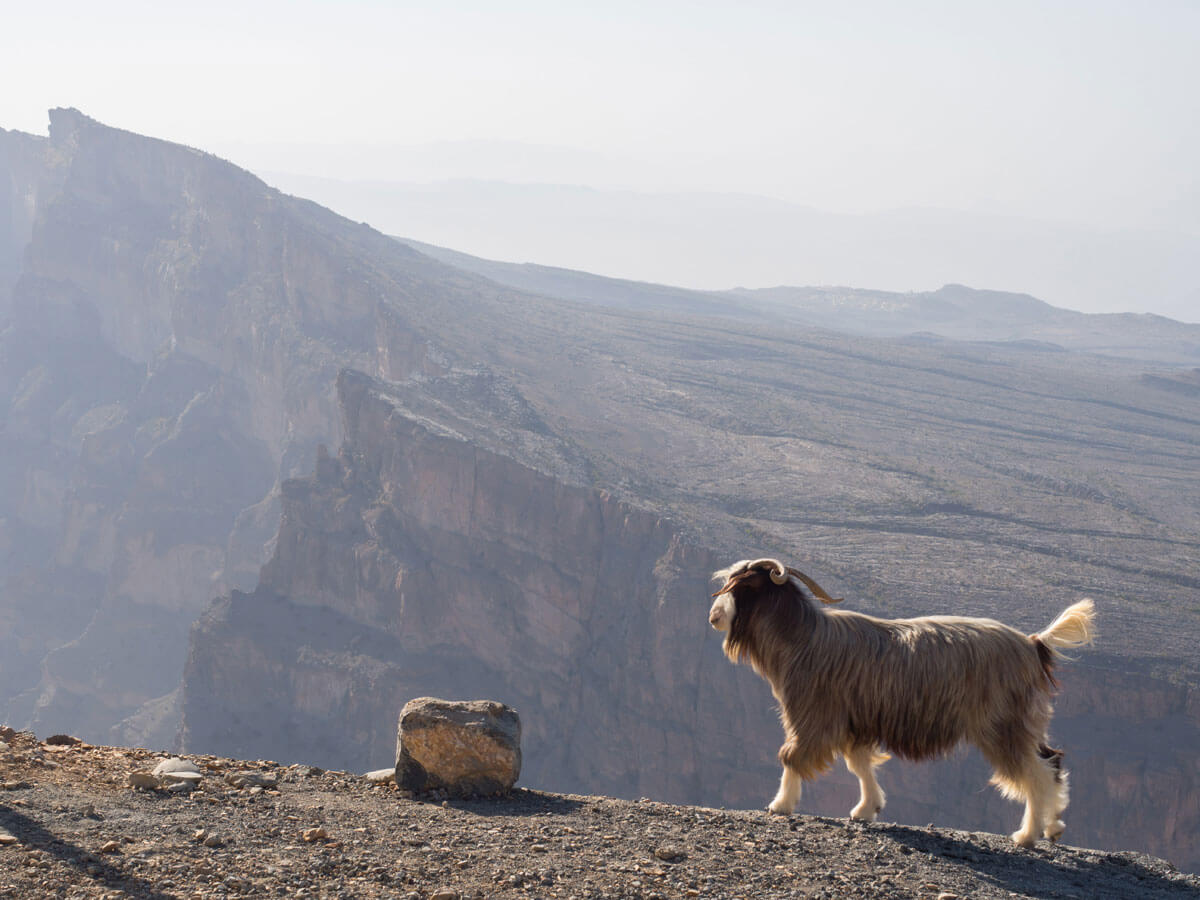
[70,826]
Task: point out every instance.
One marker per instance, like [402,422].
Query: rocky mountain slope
[69,826]
[169,342]
[525,494]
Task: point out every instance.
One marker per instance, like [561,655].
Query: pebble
[176,766]
[668,853]
[315,834]
[110,847]
[6,838]
[251,779]
[444,895]
[143,781]
[62,740]
[381,776]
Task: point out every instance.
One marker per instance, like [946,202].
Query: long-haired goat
[852,685]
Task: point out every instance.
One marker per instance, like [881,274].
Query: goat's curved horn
[777,570]
[818,591]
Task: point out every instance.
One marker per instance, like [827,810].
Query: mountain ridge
[954,311]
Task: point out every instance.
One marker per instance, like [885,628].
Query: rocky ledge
[72,826]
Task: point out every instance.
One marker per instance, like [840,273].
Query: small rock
[13,785]
[251,779]
[110,847]
[181,787]
[444,895]
[62,740]
[669,853]
[176,766]
[946,895]
[172,779]
[6,838]
[315,834]
[143,781]
[381,776]
[213,840]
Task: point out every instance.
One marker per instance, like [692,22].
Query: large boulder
[467,748]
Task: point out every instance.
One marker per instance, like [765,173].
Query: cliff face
[170,329]
[417,562]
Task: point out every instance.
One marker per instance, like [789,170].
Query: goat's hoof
[1024,840]
[779,809]
[865,815]
[1054,831]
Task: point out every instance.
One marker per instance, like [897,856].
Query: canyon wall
[417,562]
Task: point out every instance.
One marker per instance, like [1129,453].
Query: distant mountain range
[954,312]
[718,241]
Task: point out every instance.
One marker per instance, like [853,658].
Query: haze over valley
[714,241]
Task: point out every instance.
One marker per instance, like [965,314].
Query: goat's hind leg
[1033,778]
[788,794]
[1054,825]
[861,761]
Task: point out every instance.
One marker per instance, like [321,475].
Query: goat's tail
[1073,628]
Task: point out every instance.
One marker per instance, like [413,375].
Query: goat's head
[746,578]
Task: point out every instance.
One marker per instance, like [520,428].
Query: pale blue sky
[1081,112]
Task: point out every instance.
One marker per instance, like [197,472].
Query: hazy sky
[1083,112]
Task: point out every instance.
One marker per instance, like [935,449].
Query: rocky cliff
[170,330]
[527,493]
[419,561]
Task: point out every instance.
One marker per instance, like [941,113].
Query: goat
[853,685]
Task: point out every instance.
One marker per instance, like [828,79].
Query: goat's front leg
[796,758]
[788,794]
[862,762]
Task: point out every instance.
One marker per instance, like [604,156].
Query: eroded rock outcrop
[416,563]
